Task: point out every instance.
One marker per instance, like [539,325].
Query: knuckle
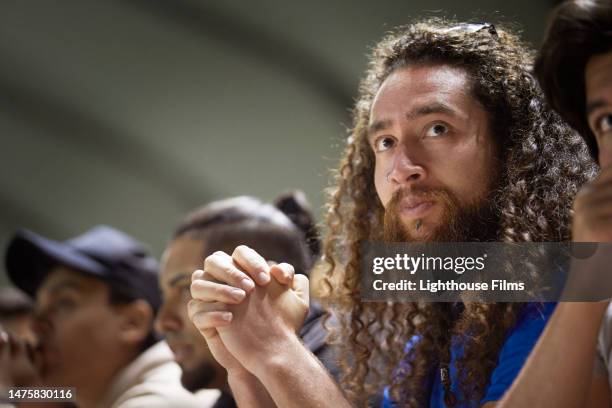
[210,262]
[232,273]
[193,291]
[220,290]
[198,287]
[199,320]
[207,276]
[193,307]
[197,284]
[241,250]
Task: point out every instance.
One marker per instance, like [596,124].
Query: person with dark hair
[96,299]
[452,141]
[282,233]
[574,68]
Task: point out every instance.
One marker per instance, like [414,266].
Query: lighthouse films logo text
[486,272]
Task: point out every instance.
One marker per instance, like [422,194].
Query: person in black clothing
[281,232]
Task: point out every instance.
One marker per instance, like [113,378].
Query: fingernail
[247,284]
[263,277]
[227,316]
[238,294]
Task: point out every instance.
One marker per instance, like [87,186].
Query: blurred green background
[133,112]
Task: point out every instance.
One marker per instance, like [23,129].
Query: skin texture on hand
[266,320]
[259,330]
[198,310]
[251,325]
[246,325]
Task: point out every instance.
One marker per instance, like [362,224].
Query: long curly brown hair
[543,164]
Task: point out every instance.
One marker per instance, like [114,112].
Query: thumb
[301,287]
[283,273]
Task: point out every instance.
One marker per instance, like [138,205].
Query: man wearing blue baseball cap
[96,300]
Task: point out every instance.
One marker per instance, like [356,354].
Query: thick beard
[198,378]
[474,222]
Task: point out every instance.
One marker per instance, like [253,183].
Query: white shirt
[153,380]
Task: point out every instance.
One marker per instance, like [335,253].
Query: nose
[41,325]
[167,320]
[405,169]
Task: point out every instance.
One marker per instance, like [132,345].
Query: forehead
[183,254]
[414,86]
[598,77]
[61,277]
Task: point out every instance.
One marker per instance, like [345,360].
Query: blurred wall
[133,112]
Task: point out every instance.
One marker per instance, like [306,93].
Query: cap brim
[29,257]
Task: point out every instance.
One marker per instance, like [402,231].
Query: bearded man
[451,142]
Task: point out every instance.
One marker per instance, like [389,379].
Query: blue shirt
[512,356]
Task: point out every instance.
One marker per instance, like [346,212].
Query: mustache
[417,192]
[394,229]
[476,221]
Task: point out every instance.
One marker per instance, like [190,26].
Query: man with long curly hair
[452,141]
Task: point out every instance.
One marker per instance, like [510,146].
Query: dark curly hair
[577,31]
[543,163]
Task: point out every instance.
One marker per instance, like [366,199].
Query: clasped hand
[247,309]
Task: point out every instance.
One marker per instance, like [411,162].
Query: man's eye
[604,124]
[383,143]
[436,130]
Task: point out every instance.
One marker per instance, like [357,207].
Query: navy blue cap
[103,252]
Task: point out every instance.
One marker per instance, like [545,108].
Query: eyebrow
[415,113]
[177,278]
[378,126]
[58,287]
[596,104]
[437,107]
